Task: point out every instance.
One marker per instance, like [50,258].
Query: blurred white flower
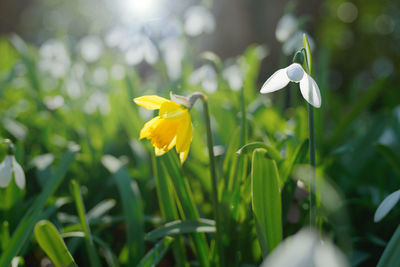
[53,103]
[286,27]
[173,53]
[74,89]
[141,49]
[54,58]
[198,20]
[305,249]
[294,73]
[295,43]
[8,167]
[97,102]
[91,48]
[206,76]
[233,75]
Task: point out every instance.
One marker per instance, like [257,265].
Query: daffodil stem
[313,210]
[213,174]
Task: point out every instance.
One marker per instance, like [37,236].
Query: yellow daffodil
[172,127]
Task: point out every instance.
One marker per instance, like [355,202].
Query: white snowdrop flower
[285,28]
[295,43]
[97,102]
[54,58]
[173,53]
[91,48]
[233,75]
[198,20]
[8,167]
[141,49]
[294,73]
[206,76]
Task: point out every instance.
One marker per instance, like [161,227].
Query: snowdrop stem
[313,206]
[311,132]
[213,175]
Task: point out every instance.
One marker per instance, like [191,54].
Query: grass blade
[171,165]
[182,227]
[131,201]
[52,243]
[391,156]
[154,256]
[25,227]
[93,256]
[391,254]
[168,209]
[266,200]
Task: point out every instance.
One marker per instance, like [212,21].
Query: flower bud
[298,58]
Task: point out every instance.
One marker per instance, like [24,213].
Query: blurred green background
[69,71]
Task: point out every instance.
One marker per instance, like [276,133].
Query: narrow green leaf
[168,209]
[391,156]
[25,227]
[182,227]
[133,211]
[391,254]
[266,200]
[52,243]
[270,151]
[185,197]
[93,256]
[306,46]
[155,255]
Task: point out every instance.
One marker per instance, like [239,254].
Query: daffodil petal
[151,102]
[19,175]
[184,134]
[159,151]
[277,81]
[183,155]
[171,110]
[310,91]
[5,172]
[149,127]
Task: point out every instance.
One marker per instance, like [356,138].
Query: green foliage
[266,200]
[51,242]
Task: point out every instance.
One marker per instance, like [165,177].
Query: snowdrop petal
[5,172]
[310,91]
[277,81]
[387,205]
[19,175]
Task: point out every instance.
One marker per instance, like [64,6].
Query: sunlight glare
[141,9]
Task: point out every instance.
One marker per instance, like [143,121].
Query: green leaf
[133,211]
[266,200]
[182,227]
[93,256]
[52,243]
[182,189]
[155,255]
[270,151]
[306,46]
[391,254]
[25,227]
[168,209]
[391,156]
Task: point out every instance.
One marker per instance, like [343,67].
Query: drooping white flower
[294,73]
[7,168]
